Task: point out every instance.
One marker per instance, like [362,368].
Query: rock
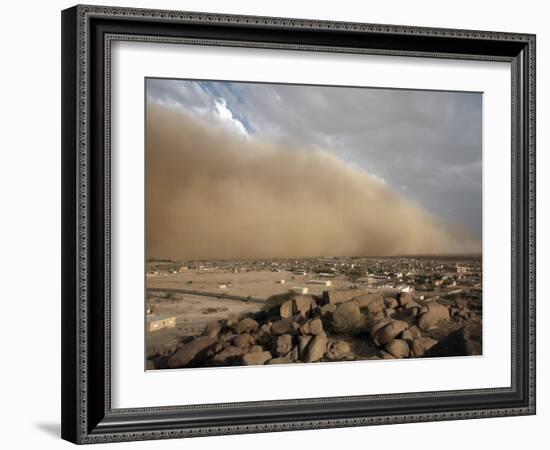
[411,334]
[373,303]
[303,342]
[227,357]
[232,320]
[256,348]
[465,341]
[379,324]
[421,345]
[338,351]
[284,326]
[279,360]
[194,353]
[265,328]
[255,358]
[413,312]
[283,344]
[303,304]
[435,313]
[316,348]
[286,309]
[243,340]
[386,334]
[386,355]
[294,354]
[327,309]
[411,304]
[398,348]
[388,312]
[348,318]
[163,349]
[212,329]
[150,365]
[405,298]
[246,325]
[391,302]
[313,326]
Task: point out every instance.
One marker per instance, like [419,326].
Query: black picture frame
[87,415]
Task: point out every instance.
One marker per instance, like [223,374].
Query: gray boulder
[246,325]
[386,334]
[227,357]
[421,345]
[435,313]
[316,348]
[212,329]
[193,353]
[348,318]
[283,344]
[398,348]
[284,326]
[255,358]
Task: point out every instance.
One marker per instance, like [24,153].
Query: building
[321,282]
[155,322]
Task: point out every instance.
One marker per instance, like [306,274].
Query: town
[184,299]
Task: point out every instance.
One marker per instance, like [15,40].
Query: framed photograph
[279,224]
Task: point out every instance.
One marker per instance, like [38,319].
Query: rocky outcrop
[306,328]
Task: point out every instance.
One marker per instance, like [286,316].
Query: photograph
[291,223]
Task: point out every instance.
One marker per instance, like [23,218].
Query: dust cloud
[212,194]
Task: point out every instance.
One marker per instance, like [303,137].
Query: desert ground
[312,310]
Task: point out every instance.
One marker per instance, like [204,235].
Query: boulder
[398,348]
[348,318]
[255,358]
[404,298]
[194,353]
[411,334]
[391,302]
[379,324]
[303,342]
[286,309]
[328,309]
[372,303]
[243,340]
[313,326]
[256,348]
[339,350]
[386,334]
[227,357]
[388,312]
[316,348]
[421,345]
[212,329]
[284,326]
[411,305]
[280,360]
[465,341]
[435,313]
[283,344]
[303,304]
[246,325]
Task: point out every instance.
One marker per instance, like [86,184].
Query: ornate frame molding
[80,423]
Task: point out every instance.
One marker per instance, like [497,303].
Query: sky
[424,144]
